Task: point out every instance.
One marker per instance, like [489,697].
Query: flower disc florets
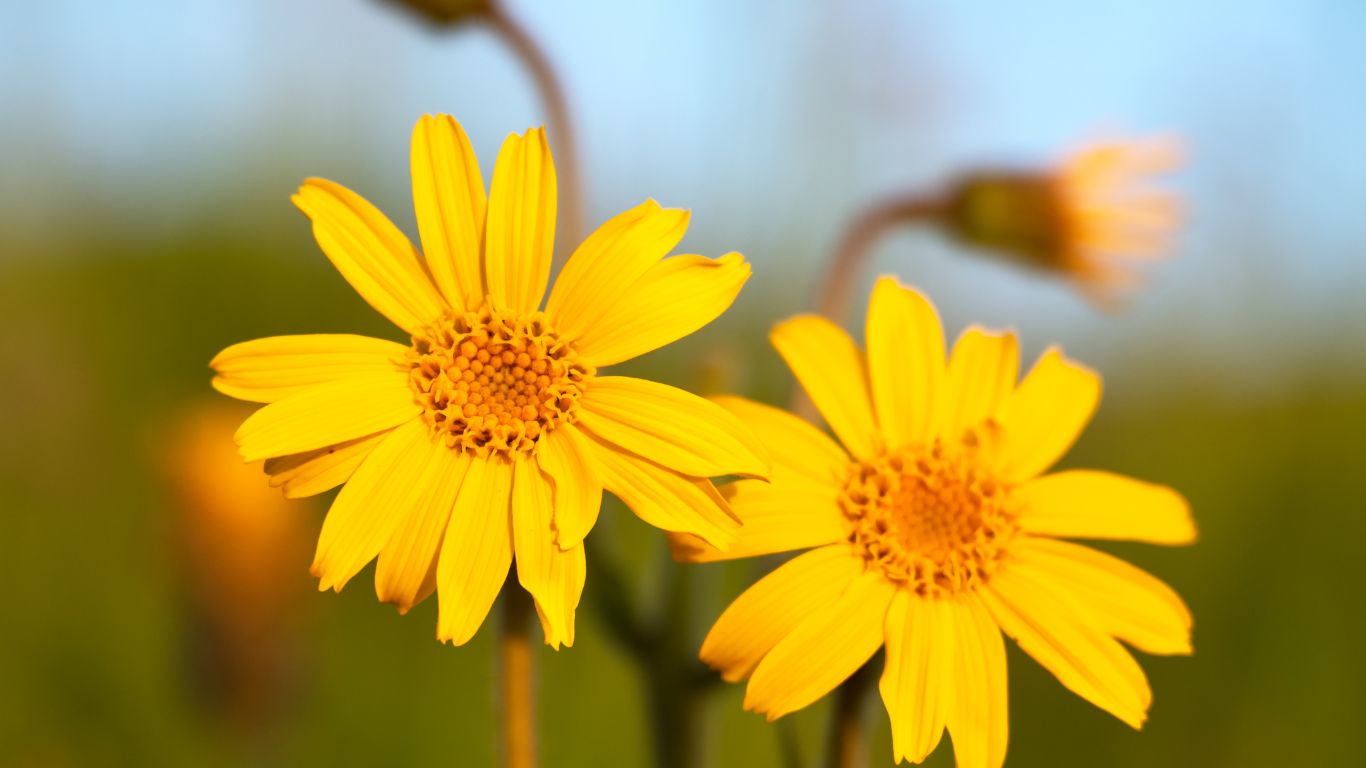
[928,518]
[490,382]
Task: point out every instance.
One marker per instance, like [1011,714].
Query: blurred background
[157,613]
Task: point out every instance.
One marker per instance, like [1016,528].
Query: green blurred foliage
[101,662]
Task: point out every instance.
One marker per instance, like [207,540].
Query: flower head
[238,554]
[1089,219]
[933,527]
[492,433]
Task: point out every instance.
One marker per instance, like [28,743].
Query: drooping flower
[492,434]
[1093,218]
[933,528]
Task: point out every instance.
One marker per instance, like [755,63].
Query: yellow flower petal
[768,611]
[905,361]
[311,473]
[566,456]
[519,239]
[775,518]
[828,646]
[270,369]
[978,719]
[448,195]
[981,376]
[1043,417]
[371,253]
[1050,626]
[327,414]
[1125,601]
[664,498]
[676,429]
[554,577]
[800,451]
[1090,504]
[674,298]
[917,681]
[830,368]
[407,558]
[387,486]
[602,269]
[476,552]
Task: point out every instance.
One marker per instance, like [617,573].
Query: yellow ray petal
[566,456]
[519,240]
[1090,504]
[386,488]
[553,576]
[664,498]
[676,429]
[905,361]
[476,552]
[773,606]
[1125,601]
[978,717]
[775,517]
[1049,626]
[270,369]
[916,684]
[1043,417]
[981,375]
[828,646]
[602,269]
[448,195]
[830,368]
[327,414]
[371,253]
[674,298]
[311,473]
[800,451]
[408,556]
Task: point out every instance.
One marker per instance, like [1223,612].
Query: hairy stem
[516,686]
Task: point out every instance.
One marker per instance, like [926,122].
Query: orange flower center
[929,518]
[494,383]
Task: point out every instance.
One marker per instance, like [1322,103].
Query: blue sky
[772,120]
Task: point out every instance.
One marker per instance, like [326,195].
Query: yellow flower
[238,553]
[934,527]
[1090,219]
[493,433]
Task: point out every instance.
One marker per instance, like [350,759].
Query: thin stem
[517,698]
[849,258]
[845,746]
[857,242]
[571,198]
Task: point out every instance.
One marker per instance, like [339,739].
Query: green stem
[845,748]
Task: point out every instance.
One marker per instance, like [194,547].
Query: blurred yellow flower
[934,527]
[238,552]
[1090,219]
[492,434]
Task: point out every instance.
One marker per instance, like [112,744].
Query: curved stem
[849,257]
[858,240]
[571,199]
[845,746]
[517,699]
